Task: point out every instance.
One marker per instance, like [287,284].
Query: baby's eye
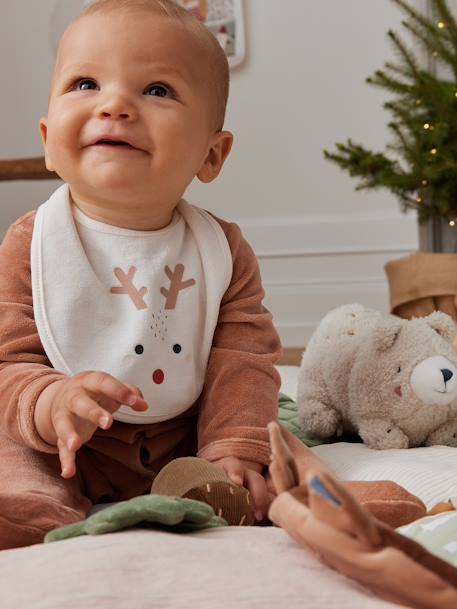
[85,84]
[158,90]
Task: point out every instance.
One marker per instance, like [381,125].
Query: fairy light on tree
[419,165]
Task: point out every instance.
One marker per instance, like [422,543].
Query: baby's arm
[25,371]
[240,396]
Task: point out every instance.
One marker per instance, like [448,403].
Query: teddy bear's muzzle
[434,381]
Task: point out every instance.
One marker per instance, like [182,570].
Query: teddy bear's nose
[447,374]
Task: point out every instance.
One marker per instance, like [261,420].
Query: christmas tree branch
[433,46]
[427,24]
[449,22]
[409,59]
[381,79]
[363,164]
[398,70]
[405,147]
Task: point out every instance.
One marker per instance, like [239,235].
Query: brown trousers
[113,466]
[34,498]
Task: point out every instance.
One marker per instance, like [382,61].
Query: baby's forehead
[148,35]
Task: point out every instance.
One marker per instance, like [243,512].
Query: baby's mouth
[113,143]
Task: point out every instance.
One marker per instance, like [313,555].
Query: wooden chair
[25,169]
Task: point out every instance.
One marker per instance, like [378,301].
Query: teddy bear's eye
[139,349]
[399,370]
[438,331]
[177,348]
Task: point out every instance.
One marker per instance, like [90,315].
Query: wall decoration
[224,18]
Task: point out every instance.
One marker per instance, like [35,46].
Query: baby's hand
[74,407]
[248,474]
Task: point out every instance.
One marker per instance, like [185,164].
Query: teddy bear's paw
[382,435]
[318,419]
[445,435]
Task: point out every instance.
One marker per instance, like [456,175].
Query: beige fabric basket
[422,283]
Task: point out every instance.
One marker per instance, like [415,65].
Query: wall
[320,244]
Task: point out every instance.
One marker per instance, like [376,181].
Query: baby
[133,330]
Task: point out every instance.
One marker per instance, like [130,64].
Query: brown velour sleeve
[24,368]
[240,396]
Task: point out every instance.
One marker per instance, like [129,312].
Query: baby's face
[129,112]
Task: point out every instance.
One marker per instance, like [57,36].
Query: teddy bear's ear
[442,324]
[386,333]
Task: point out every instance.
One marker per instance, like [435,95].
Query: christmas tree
[419,165]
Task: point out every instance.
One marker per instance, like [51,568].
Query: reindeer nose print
[158,376]
[177,348]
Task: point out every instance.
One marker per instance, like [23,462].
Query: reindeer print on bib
[160,322]
[176,284]
[140,305]
[127,287]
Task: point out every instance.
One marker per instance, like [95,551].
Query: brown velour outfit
[229,419]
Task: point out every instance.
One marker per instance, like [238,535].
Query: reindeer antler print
[128,288]
[176,285]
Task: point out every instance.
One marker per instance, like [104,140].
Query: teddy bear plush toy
[392,381]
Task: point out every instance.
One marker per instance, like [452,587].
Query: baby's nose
[115,115]
[117,105]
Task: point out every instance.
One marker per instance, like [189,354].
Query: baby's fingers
[256,485]
[67,459]
[233,468]
[65,431]
[88,409]
[140,403]
[89,413]
[103,384]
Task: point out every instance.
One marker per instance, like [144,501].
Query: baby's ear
[217,153]
[442,323]
[386,333]
[44,138]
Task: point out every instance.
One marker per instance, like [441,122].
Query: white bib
[141,305]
